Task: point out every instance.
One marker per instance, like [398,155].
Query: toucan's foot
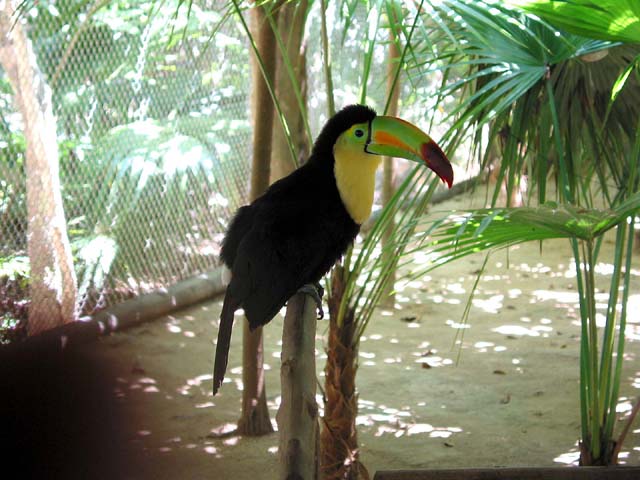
[316,292]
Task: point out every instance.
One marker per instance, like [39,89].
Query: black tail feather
[224,340]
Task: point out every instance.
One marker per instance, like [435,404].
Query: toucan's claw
[316,292]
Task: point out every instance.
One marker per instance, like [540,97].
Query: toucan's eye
[359,133]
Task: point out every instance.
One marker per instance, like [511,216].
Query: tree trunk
[326,51]
[52,278]
[339,454]
[298,414]
[254,419]
[393,91]
[291,23]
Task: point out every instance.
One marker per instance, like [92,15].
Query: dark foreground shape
[59,416]
[525,473]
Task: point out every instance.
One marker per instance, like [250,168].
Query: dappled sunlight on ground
[571,457]
[435,389]
[381,420]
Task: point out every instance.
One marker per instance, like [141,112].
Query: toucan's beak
[395,137]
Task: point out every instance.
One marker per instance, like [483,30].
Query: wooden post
[515,473]
[298,414]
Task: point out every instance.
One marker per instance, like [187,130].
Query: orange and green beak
[395,137]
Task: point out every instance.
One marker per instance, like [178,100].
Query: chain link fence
[151,114]
[151,106]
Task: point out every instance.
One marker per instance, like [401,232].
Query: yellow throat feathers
[355,173]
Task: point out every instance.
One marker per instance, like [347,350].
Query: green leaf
[469,232]
[622,79]
[613,20]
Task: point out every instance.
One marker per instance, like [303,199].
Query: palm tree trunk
[52,278]
[254,419]
[339,455]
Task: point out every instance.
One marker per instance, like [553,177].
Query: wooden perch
[298,414]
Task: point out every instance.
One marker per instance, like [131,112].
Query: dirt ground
[501,390]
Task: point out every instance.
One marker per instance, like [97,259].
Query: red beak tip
[437,161]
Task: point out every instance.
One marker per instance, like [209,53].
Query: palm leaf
[614,20]
[465,233]
[546,107]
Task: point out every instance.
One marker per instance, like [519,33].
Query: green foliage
[150,100]
[151,184]
[140,216]
[15,269]
[527,82]
[13,199]
[95,257]
[614,20]
[552,102]
[601,356]
[465,233]
[14,294]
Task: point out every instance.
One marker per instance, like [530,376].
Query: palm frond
[501,62]
[614,20]
[465,233]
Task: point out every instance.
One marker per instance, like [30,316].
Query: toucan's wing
[238,228]
[290,244]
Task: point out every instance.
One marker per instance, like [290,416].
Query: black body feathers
[290,236]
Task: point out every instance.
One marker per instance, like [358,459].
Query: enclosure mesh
[151,116]
[151,106]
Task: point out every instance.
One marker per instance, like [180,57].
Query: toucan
[293,234]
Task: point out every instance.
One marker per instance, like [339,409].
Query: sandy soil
[501,390]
